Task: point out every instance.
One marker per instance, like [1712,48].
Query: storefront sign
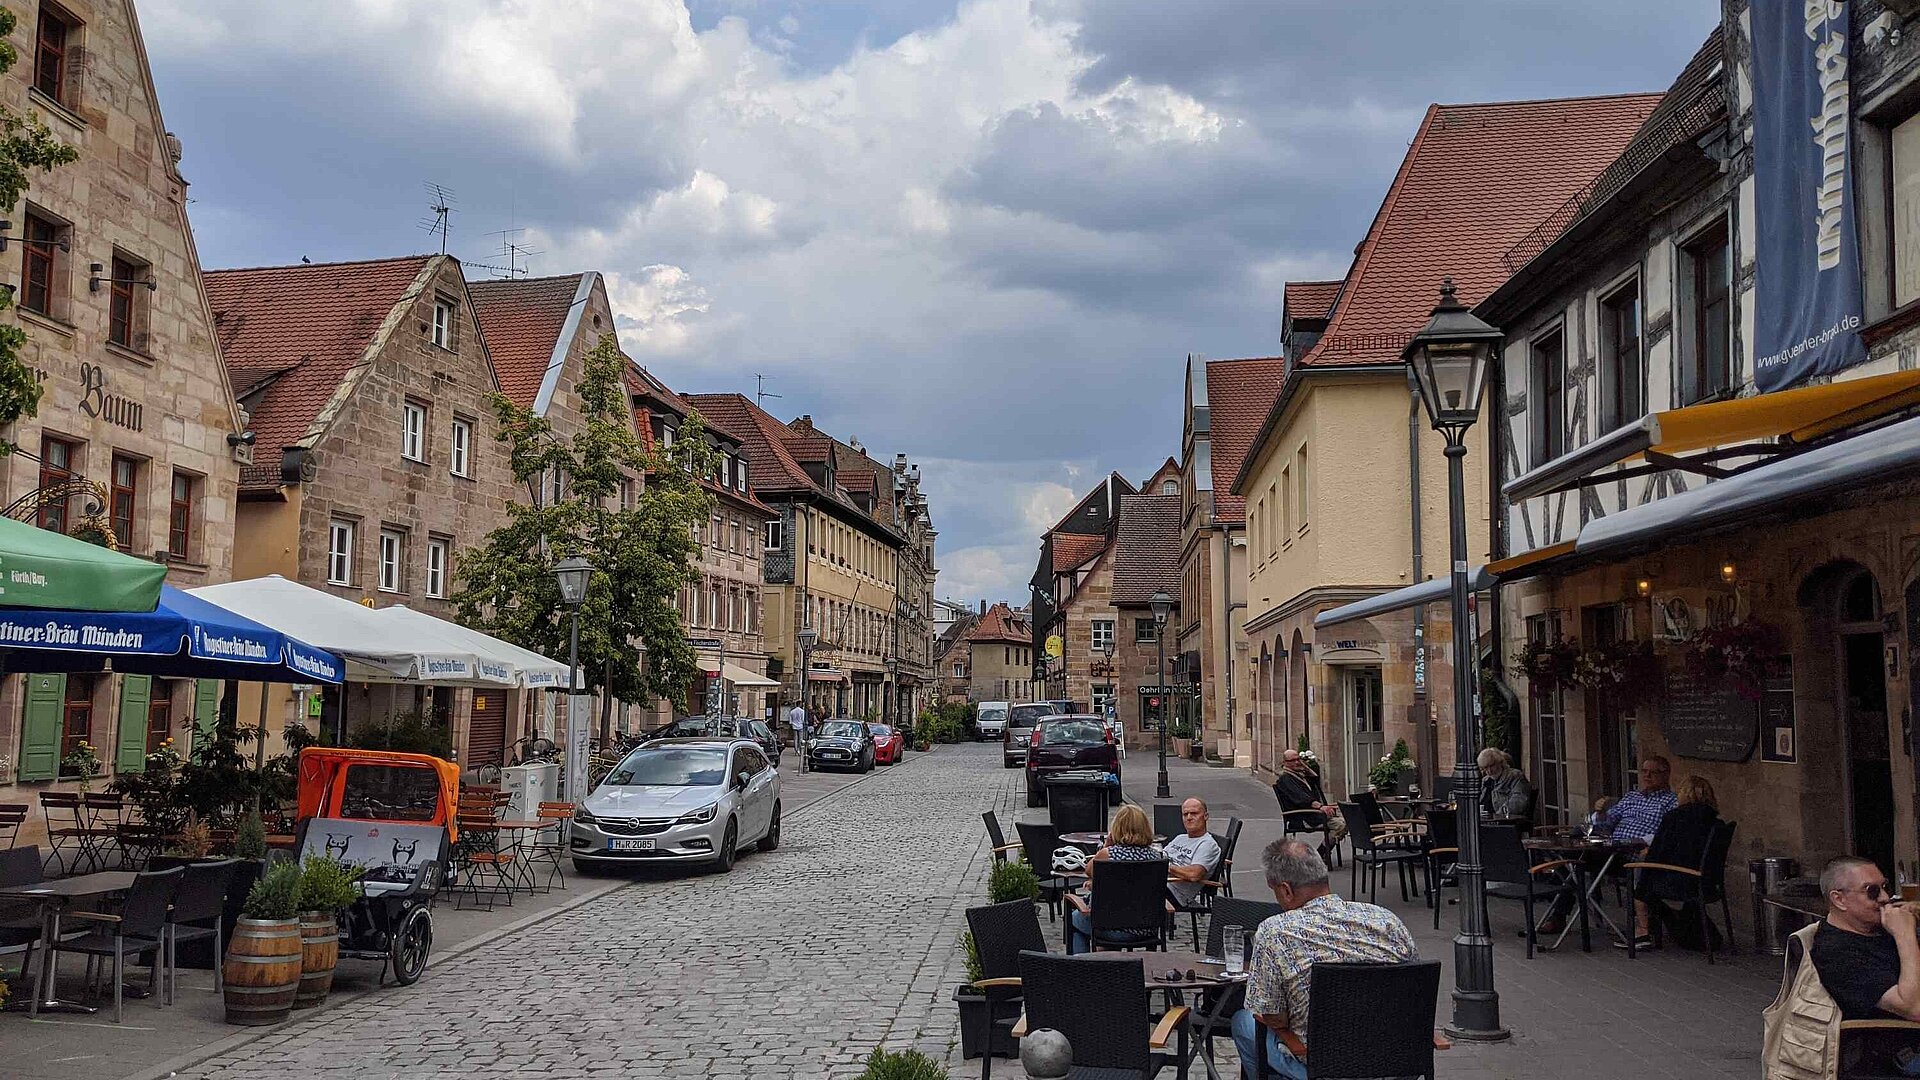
[1707,722]
[1177,689]
[1808,315]
[96,402]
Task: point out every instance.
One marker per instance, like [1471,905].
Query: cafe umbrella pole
[1162,604]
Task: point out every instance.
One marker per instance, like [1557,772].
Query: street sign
[1176,690]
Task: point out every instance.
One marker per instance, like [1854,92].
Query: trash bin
[1077,800]
[1772,924]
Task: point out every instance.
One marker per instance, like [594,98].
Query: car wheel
[771,841]
[723,863]
[586,868]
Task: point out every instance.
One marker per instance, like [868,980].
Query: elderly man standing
[1316,927]
[1504,792]
[1298,788]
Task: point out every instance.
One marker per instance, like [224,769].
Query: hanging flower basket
[1740,653]
[1627,670]
[1549,664]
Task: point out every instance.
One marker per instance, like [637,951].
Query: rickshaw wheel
[411,945]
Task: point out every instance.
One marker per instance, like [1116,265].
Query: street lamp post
[572,574]
[1449,358]
[808,637]
[1162,604]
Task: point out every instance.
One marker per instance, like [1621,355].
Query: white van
[990,720]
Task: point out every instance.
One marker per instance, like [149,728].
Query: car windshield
[880,731]
[1028,715]
[1077,730]
[841,729]
[993,712]
[671,766]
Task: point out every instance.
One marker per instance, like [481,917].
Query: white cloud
[657,310]
[990,573]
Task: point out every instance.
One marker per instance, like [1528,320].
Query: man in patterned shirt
[1317,927]
[1636,815]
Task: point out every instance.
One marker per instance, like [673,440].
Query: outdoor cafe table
[1093,839]
[55,897]
[522,832]
[1582,851]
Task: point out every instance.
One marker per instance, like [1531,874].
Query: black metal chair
[1219,883]
[20,922]
[1102,1007]
[1308,821]
[1229,842]
[1037,843]
[1443,851]
[1374,854]
[1370,1020]
[1129,901]
[1511,874]
[1213,1018]
[1708,883]
[999,839]
[1443,788]
[1167,821]
[138,929]
[1001,932]
[12,816]
[198,914]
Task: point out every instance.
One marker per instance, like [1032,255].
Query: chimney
[983,607]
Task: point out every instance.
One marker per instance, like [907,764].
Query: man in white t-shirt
[797,720]
[1193,856]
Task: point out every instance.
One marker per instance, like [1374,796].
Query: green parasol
[43,569]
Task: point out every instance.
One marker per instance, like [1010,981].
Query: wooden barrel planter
[319,952]
[262,972]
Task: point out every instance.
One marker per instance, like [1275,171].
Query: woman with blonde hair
[1681,840]
[1129,839]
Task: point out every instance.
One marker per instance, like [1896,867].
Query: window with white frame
[438,550]
[1100,696]
[960,670]
[460,459]
[442,333]
[1103,635]
[393,560]
[740,474]
[776,535]
[413,431]
[340,552]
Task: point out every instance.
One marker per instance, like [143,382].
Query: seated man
[1193,856]
[1867,953]
[1504,791]
[1298,788]
[1317,927]
[1636,816]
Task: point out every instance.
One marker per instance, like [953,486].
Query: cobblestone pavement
[795,965]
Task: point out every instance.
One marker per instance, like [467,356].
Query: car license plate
[629,845]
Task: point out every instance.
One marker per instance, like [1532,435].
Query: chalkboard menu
[1709,722]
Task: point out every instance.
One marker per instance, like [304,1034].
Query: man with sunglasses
[1867,952]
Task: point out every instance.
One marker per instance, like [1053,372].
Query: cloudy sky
[986,234]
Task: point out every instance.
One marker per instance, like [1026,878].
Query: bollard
[1045,1054]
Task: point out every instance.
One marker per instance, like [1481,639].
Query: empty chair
[1037,842]
[1129,905]
[998,839]
[199,913]
[105,812]
[138,929]
[1374,854]
[12,816]
[1371,1020]
[1443,851]
[1166,820]
[1101,1006]
[549,845]
[19,920]
[1443,788]
[1512,875]
[1001,932]
[66,830]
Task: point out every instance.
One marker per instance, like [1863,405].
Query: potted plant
[1385,773]
[262,970]
[1627,671]
[1741,654]
[1180,734]
[975,1026]
[1549,663]
[83,761]
[325,888]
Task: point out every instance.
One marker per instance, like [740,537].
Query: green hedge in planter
[905,1065]
[1012,881]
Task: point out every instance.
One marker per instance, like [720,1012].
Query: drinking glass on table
[1233,942]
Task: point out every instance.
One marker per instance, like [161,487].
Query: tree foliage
[642,554]
[26,147]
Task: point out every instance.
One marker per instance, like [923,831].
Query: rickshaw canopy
[379,785]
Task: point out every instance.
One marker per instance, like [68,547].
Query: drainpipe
[1430,731]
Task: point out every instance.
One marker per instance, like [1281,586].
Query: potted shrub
[975,1026]
[325,888]
[905,1065]
[1388,771]
[262,970]
[1180,736]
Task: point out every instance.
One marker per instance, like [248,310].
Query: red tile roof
[1000,623]
[1072,550]
[522,318]
[1240,394]
[1311,299]
[298,330]
[764,438]
[1146,557]
[1476,179]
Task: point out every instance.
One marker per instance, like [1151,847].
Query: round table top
[1157,964]
[1094,838]
[1579,843]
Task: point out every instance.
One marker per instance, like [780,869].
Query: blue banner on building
[1808,312]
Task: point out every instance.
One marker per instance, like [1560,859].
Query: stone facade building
[1000,657]
[1146,562]
[1072,598]
[106,284]
[914,678]
[375,464]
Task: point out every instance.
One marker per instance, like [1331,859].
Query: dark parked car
[1060,743]
[1019,730]
[841,744]
[725,727]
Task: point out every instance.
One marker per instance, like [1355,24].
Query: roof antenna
[440,202]
[760,394]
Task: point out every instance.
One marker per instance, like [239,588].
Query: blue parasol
[185,637]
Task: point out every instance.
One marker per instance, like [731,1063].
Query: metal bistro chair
[483,865]
[1101,1006]
[1374,853]
[1370,1020]
[106,813]
[1001,932]
[66,830]
[12,816]
[1443,836]
[1129,902]
[1708,883]
[1037,842]
[198,914]
[549,845]
[998,838]
[1214,1020]
[1167,821]
[138,929]
[1511,874]
[20,929]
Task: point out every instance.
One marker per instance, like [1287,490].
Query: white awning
[375,649]
[498,659]
[740,676]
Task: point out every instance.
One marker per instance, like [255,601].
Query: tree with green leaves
[26,147]
[633,646]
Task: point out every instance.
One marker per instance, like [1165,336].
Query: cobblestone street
[795,965]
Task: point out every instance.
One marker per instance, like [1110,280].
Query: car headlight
[585,818]
[700,816]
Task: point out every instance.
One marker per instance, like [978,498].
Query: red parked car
[888,744]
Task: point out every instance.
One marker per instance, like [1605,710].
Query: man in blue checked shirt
[1636,815]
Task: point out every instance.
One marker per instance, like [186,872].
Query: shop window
[1706,310]
[1548,406]
[1549,734]
[1623,392]
[124,498]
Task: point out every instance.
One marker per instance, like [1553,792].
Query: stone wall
[1093,600]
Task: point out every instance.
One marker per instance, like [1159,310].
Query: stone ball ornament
[1046,1054]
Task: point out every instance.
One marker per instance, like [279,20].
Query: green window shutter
[206,711]
[135,692]
[40,741]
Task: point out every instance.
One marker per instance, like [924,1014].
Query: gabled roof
[297,331]
[1071,551]
[1240,394]
[772,468]
[1168,470]
[1310,299]
[1122,486]
[1146,556]
[522,319]
[1000,623]
[1476,179]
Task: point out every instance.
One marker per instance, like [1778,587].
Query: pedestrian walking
[797,720]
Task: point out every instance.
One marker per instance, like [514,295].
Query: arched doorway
[1843,607]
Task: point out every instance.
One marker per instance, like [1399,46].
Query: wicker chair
[1129,902]
[1102,1007]
[1708,883]
[1512,875]
[1001,932]
[1213,1019]
[1220,884]
[1374,854]
[1037,842]
[1370,1020]
[1000,845]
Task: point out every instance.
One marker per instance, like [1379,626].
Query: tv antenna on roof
[440,202]
[760,394]
[515,255]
